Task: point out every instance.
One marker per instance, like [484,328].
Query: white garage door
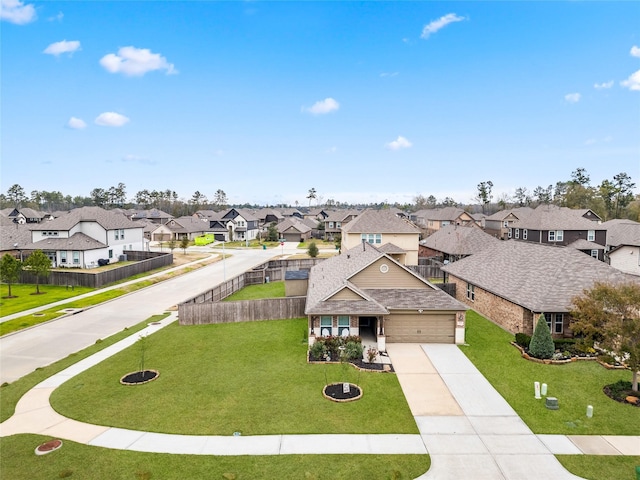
[423,328]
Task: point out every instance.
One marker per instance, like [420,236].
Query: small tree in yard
[313,250]
[541,345]
[10,268]
[172,245]
[272,232]
[610,315]
[40,265]
[184,243]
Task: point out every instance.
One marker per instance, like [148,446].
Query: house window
[63,256]
[591,236]
[117,234]
[444,223]
[330,224]
[525,233]
[594,253]
[372,238]
[76,258]
[555,321]
[510,233]
[343,325]
[471,292]
[559,235]
[517,233]
[122,234]
[506,224]
[110,253]
[325,325]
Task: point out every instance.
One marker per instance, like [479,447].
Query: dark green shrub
[353,351]
[313,250]
[523,340]
[317,350]
[541,345]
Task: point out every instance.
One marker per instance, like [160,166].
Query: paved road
[23,352]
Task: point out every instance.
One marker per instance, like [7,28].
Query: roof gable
[379,221]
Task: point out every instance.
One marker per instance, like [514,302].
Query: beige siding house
[384,229]
[364,291]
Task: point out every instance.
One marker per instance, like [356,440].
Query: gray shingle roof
[107,219]
[552,217]
[459,240]
[582,244]
[290,223]
[187,224]
[12,233]
[439,214]
[333,274]
[390,248]
[379,221]
[77,241]
[520,213]
[623,233]
[542,278]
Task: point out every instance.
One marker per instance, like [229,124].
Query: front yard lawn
[576,385]
[218,379]
[26,298]
[259,291]
[601,467]
[74,460]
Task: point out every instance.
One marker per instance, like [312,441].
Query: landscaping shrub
[523,340]
[541,345]
[353,351]
[317,350]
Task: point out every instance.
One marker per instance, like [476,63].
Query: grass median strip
[575,385]
[24,297]
[248,377]
[74,460]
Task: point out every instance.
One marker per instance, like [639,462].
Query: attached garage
[420,328]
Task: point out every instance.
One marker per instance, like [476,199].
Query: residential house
[623,245]
[85,235]
[291,212]
[434,219]
[190,226]
[550,224]
[13,236]
[241,224]
[317,214]
[25,215]
[267,216]
[154,215]
[335,220]
[292,230]
[454,242]
[364,291]
[512,283]
[499,223]
[383,228]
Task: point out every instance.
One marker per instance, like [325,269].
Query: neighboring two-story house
[241,224]
[85,235]
[623,245]
[434,219]
[335,220]
[386,231]
[454,242]
[499,223]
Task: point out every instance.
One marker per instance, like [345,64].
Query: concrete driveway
[469,430]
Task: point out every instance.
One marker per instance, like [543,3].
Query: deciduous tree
[610,315]
[38,264]
[10,268]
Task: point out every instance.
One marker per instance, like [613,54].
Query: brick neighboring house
[434,219]
[623,245]
[365,291]
[85,235]
[550,224]
[512,283]
[335,220]
[454,242]
[384,229]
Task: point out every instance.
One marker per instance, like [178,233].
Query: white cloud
[138,159]
[15,11]
[321,107]
[442,22]
[133,61]
[111,119]
[331,150]
[633,82]
[572,97]
[62,47]
[56,18]
[635,51]
[399,143]
[76,123]
[603,85]
[389,74]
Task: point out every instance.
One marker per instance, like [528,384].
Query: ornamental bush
[541,345]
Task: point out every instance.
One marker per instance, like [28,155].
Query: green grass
[576,385]
[74,460]
[12,392]
[255,292]
[217,379]
[601,467]
[26,298]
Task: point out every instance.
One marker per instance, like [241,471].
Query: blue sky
[363,101]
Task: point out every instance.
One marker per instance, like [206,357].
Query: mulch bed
[361,364]
[335,392]
[621,392]
[139,377]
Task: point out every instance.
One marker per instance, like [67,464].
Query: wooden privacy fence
[426,271]
[241,311]
[145,261]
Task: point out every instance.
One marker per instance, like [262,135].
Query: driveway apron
[469,429]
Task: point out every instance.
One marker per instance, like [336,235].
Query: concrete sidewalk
[470,431]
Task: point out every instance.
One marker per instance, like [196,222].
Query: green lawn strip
[25,298]
[11,393]
[576,385]
[248,377]
[255,292]
[75,460]
[601,467]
